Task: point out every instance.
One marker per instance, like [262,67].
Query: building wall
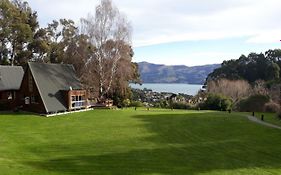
[8,100]
[29,90]
[76,93]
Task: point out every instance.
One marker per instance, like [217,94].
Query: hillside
[158,73]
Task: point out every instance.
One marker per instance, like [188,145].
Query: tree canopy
[109,33]
[18,25]
[251,68]
[101,52]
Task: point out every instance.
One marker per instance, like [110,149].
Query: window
[10,96]
[26,101]
[77,102]
[34,99]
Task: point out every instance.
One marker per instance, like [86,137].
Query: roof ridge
[50,63]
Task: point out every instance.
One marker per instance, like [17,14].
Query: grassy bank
[138,142]
[269,118]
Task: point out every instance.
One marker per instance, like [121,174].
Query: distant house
[51,88]
[10,82]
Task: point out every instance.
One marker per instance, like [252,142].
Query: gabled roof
[51,80]
[10,77]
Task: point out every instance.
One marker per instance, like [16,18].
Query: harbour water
[190,89]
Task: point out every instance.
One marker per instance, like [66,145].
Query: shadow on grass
[21,113]
[186,144]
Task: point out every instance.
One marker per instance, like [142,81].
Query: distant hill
[158,73]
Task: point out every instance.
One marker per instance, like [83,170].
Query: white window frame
[77,103]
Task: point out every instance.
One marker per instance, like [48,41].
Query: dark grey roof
[51,80]
[10,77]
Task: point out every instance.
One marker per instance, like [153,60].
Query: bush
[180,105]
[136,104]
[271,107]
[216,102]
[254,103]
[126,103]
[278,115]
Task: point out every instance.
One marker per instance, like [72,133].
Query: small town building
[10,82]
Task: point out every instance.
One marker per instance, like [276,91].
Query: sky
[184,32]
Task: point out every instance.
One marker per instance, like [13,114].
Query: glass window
[77,101]
[10,96]
[73,98]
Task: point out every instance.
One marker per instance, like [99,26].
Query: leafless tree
[110,34]
[260,88]
[235,89]
[275,93]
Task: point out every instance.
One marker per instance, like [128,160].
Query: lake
[190,89]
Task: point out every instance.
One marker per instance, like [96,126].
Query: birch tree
[110,34]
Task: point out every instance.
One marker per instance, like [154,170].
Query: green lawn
[269,118]
[127,142]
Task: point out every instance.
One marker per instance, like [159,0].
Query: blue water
[190,89]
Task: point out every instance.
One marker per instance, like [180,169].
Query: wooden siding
[6,103]
[69,94]
[31,92]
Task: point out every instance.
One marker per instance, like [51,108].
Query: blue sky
[200,52]
[185,32]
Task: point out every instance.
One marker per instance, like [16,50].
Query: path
[256,120]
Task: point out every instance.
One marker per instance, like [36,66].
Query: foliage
[136,104]
[120,95]
[254,103]
[110,63]
[251,68]
[61,36]
[235,89]
[278,115]
[105,65]
[275,92]
[180,105]
[216,102]
[18,25]
[126,103]
[162,104]
[272,107]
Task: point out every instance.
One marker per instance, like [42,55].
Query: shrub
[126,103]
[180,105]
[278,115]
[253,103]
[136,104]
[271,107]
[164,104]
[216,102]
[157,105]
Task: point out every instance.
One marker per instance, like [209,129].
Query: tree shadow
[185,144]
[17,113]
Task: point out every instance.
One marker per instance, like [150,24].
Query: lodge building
[41,88]
[10,82]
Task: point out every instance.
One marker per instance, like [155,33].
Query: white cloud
[272,36]
[164,21]
[193,59]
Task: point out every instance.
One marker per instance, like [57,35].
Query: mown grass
[268,117]
[138,142]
